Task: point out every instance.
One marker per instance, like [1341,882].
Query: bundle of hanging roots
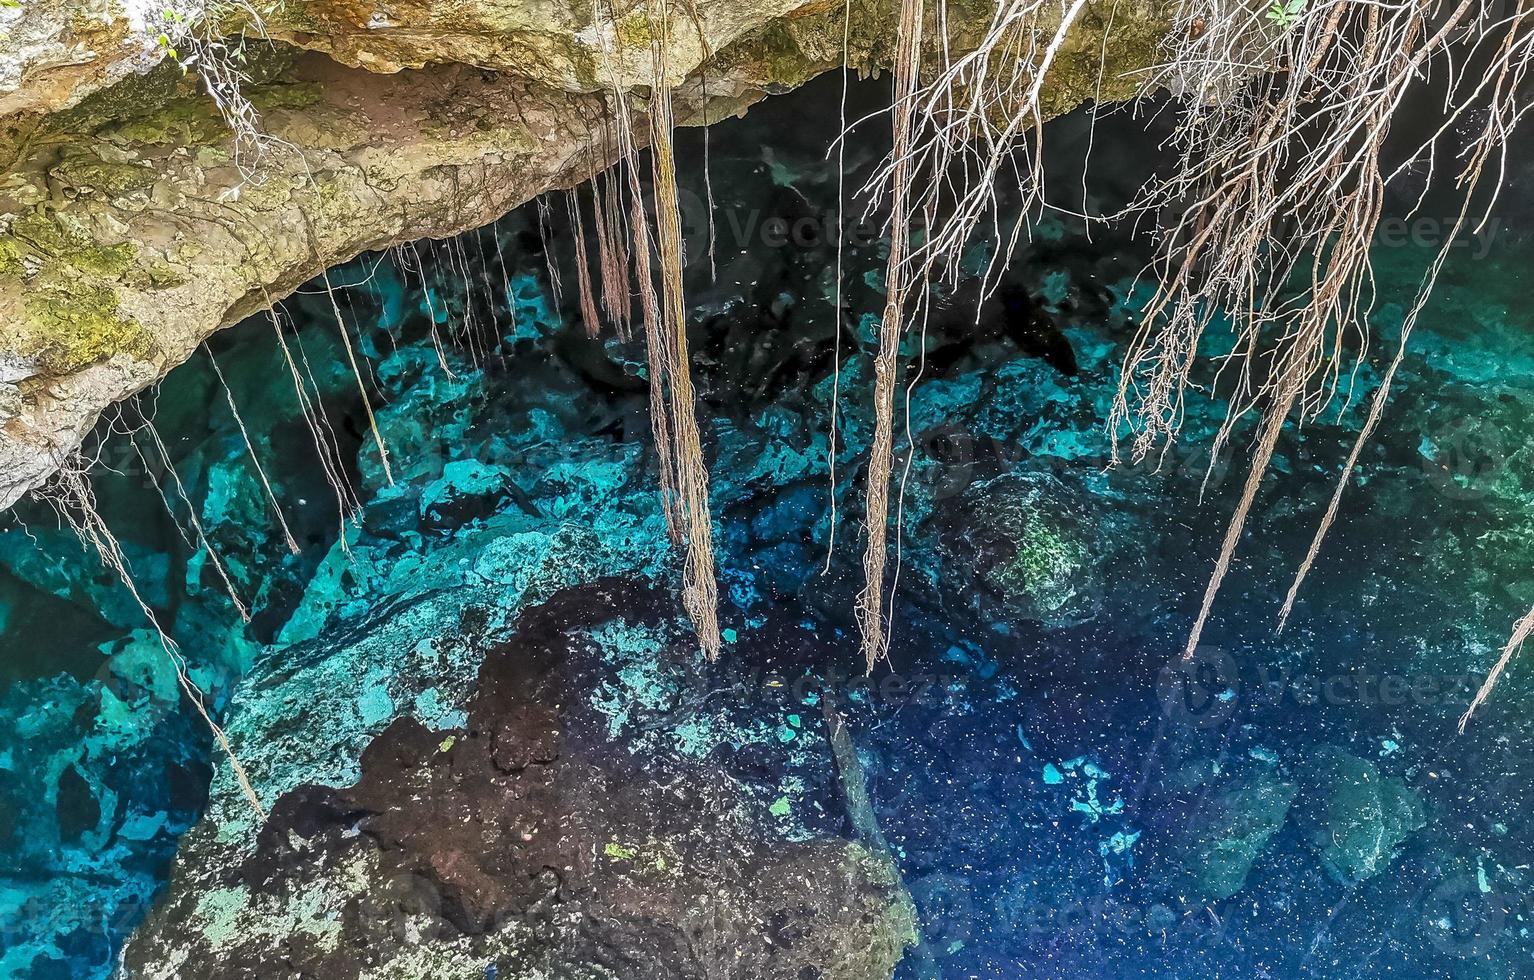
[1265,221]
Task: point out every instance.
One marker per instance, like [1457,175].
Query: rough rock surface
[1226,836]
[1029,544]
[128,234]
[55,52]
[1355,817]
[537,840]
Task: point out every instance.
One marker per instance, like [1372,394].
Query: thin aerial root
[77,505]
[431,311]
[1381,396]
[351,359]
[1521,633]
[832,432]
[500,256]
[660,416]
[191,511]
[250,449]
[1272,425]
[346,503]
[490,299]
[556,288]
[465,332]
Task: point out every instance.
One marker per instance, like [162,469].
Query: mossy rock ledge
[130,229]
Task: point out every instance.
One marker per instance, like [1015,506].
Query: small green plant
[1285,12]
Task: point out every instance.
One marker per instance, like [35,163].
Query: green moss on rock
[1031,548]
[55,238]
[187,120]
[96,176]
[71,313]
[74,329]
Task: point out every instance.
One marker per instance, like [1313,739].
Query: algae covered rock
[541,838]
[468,490]
[1354,817]
[1028,542]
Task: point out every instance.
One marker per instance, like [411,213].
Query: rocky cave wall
[128,234]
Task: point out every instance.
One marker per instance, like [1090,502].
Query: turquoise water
[1060,804]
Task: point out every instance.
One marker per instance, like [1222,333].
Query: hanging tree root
[954,138]
[1520,633]
[871,615]
[250,450]
[1267,217]
[75,503]
[588,301]
[673,415]
[699,589]
[1278,234]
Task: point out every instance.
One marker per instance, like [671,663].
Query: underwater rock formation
[575,824]
[1230,831]
[1354,816]
[88,822]
[1028,543]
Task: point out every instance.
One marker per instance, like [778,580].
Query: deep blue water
[1062,804]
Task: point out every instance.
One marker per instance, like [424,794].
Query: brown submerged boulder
[571,828]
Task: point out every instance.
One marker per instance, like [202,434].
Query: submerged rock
[1354,817]
[1229,833]
[541,838]
[1027,542]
